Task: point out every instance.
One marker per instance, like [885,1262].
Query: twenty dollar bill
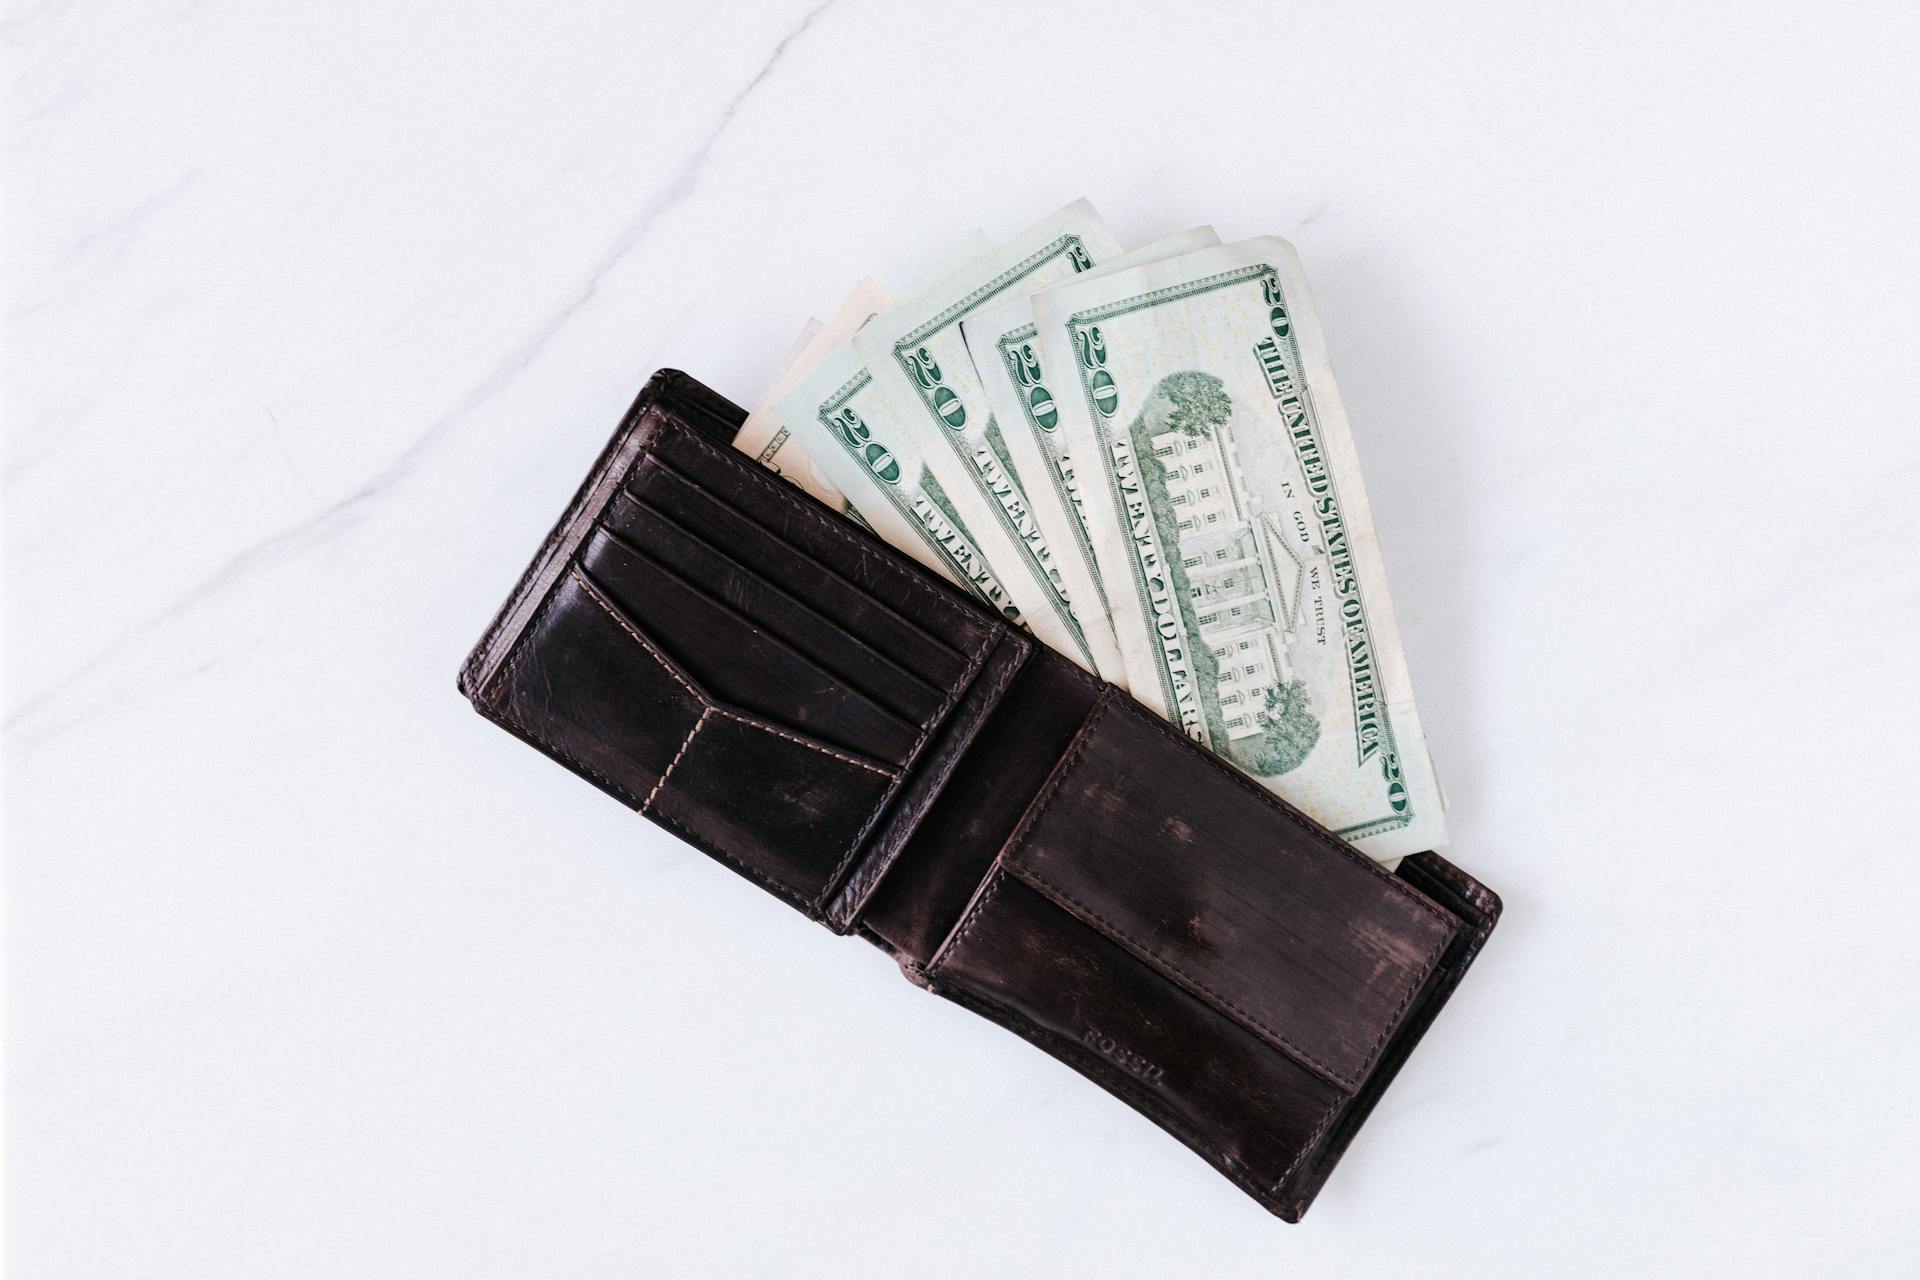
[1233,533]
[764,438]
[858,442]
[919,361]
[1007,360]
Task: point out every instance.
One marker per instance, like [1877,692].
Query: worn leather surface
[744,669]
[772,683]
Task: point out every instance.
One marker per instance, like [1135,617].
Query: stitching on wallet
[573,571]
[995,877]
[559,753]
[808,743]
[709,709]
[630,425]
[504,678]
[507,669]
[981,653]
[1068,901]
[714,851]
[647,505]
[572,761]
[1074,906]
[725,713]
[1312,1143]
[674,763]
[982,649]
[1081,738]
[627,544]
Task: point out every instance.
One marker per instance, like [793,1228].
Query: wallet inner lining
[768,605]
[707,702]
[922,645]
[741,664]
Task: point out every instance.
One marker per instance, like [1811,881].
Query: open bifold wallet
[767,680]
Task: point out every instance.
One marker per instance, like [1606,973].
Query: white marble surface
[316,313]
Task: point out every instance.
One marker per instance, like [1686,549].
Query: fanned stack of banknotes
[1141,457]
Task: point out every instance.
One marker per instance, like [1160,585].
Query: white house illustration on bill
[1238,569]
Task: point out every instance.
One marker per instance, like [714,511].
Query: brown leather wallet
[769,681]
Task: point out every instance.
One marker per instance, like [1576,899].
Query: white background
[315,315]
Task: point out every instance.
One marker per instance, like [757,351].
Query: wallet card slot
[629,657]
[927,647]
[744,667]
[773,607]
[707,701]
[592,688]
[570,684]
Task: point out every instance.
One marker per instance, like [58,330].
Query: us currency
[759,436]
[764,438]
[858,442]
[1233,533]
[1000,342]
[921,367]
[808,332]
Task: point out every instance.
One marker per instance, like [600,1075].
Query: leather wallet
[767,680]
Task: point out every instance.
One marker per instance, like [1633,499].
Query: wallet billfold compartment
[766,679]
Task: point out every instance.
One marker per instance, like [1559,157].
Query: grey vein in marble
[330,521]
